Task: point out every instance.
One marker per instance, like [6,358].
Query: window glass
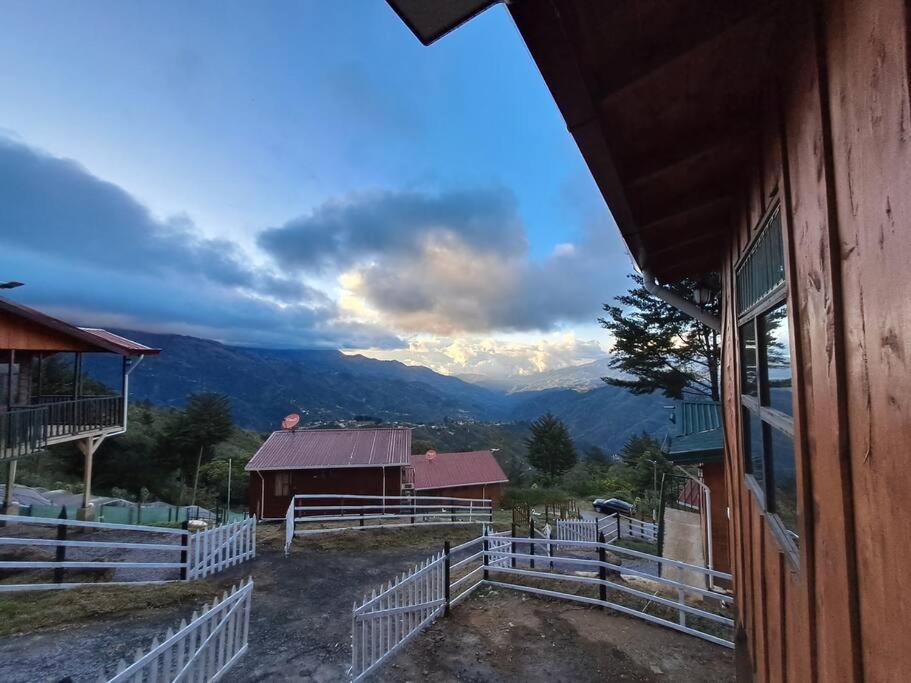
[775,352]
[748,359]
[282,484]
[785,480]
[752,428]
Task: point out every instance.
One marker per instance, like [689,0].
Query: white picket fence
[202,650]
[186,555]
[390,617]
[216,549]
[577,530]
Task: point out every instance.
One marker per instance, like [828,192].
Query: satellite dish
[290,421]
[430,455]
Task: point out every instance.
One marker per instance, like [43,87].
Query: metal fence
[202,650]
[177,554]
[628,527]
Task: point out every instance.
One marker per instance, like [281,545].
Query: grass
[641,546]
[42,610]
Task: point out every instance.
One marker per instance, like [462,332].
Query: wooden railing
[23,431]
[31,428]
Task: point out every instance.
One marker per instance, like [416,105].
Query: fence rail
[370,512]
[23,431]
[383,623]
[188,555]
[202,650]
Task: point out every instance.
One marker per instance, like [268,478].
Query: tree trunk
[196,477]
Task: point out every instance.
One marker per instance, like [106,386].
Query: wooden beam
[710,206]
[652,68]
[684,158]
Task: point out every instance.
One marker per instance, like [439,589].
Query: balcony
[51,420]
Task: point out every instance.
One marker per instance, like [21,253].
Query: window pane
[784,478]
[748,359]
[775,352]
[752,445]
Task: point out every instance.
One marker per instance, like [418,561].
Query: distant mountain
[579,377]
[265,385]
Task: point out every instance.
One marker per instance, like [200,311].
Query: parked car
[611,505]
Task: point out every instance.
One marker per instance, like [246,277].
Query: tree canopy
[661,348]
[550,448]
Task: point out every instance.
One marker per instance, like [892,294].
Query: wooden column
[88,447]
[8,507]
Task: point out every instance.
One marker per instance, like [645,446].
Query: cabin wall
[363,481]
[835,151]
[713,477]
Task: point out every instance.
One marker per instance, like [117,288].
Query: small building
[368,462]
[475,474]
[698,440]
[364,462]
[38,409]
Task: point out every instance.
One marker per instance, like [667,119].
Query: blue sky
[299,174]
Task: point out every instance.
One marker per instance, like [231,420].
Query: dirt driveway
[300,627]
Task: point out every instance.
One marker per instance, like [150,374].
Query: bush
[532,496]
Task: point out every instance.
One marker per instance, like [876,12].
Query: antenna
[290,421]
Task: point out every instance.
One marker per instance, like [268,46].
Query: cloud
[495,357]
[448,263]
[75,239]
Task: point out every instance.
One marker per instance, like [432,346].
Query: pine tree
[662,348]
[550,448]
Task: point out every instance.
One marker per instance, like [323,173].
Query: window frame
[284,477]
[769,418]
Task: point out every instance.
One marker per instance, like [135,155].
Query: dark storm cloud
[342,233]
[86,245]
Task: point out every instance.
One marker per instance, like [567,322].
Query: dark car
[611,505]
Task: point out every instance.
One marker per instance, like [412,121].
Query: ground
[300,627]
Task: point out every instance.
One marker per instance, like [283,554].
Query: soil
[300,626]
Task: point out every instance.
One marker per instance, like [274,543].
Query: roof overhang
[430,21]
[84,339]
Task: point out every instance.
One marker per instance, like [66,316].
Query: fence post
[412,509]
[362,518]
[486,558]
[184,543]
[531,544]
[550,546]
[446,576]
[61,549]
[512,547]
[602,570]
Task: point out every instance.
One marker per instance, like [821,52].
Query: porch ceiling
[661,99]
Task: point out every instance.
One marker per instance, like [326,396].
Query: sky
[299,175]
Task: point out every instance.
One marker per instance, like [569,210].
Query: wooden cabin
[473,474]
[39,408]
[770,142]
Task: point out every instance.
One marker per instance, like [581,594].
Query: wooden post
[362,518]
[531,545]
[10,483]
[512,547]
[184,542]
[550,546]
[486,558]
[60,555]
[602,570]
[446,577]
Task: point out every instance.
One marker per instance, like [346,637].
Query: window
[282,484]
[765,378]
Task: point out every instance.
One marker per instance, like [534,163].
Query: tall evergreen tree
[205,423]
[662,348]
[550,448]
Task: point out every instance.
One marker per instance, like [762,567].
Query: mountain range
[264,385]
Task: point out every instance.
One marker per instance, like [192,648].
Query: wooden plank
[868,74]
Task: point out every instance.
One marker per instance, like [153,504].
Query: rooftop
[315,448]
[700,436]
[456,469]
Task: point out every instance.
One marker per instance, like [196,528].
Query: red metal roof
[456,469]
[130,347]
[317,448]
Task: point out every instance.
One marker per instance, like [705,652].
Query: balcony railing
[56,419]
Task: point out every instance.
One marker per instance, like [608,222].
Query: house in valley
[769,141]
[45,398]
[365,462]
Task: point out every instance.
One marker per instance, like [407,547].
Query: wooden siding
[25,335]
[365,481]
[836,153]
[713,477]
[492,491]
